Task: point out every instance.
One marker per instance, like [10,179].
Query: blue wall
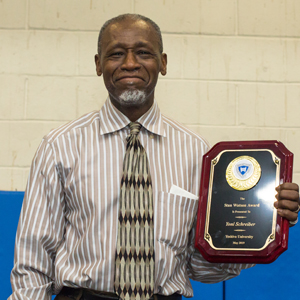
[279,280]
[11,203]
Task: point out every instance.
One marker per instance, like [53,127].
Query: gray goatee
[133,96]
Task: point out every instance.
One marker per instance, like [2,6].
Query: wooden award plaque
[237,221]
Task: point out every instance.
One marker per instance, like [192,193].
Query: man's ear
[163,68]
[98,65]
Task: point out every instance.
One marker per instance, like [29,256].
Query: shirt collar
[111,119]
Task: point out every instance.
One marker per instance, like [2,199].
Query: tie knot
[134,128]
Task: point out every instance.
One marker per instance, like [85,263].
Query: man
[69,230]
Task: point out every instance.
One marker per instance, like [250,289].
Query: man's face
[130,62]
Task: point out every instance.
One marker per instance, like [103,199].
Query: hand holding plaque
[237,221]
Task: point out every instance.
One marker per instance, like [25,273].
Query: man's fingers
[289,215]
[288,186]
[287,209]
[287,204]
[288,194]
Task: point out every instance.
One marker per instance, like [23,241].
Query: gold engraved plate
[243,173]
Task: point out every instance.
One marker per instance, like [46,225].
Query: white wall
[233,70]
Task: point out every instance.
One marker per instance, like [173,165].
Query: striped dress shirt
[67,230]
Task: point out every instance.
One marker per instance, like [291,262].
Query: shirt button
[151,136]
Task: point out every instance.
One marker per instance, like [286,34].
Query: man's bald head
[133,17]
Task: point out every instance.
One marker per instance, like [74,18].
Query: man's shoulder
[184,130]
[84,121]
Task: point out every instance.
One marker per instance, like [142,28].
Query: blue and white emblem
[243,169]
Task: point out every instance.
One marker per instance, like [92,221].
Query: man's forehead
[121,28]
[122,32]
[129,23]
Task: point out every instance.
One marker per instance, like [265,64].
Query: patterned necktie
[134,273]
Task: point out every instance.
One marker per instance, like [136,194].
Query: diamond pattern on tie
[134,272]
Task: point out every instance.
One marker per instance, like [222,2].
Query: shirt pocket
[173,219]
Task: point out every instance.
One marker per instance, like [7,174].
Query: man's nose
[130,62]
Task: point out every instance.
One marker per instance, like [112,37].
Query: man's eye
[143,52]
[117,54]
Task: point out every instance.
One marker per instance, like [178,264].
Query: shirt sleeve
[40,230]
[200,269]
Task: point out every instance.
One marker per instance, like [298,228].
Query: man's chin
[132,97]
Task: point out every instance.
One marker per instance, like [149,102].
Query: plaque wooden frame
[274,247]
